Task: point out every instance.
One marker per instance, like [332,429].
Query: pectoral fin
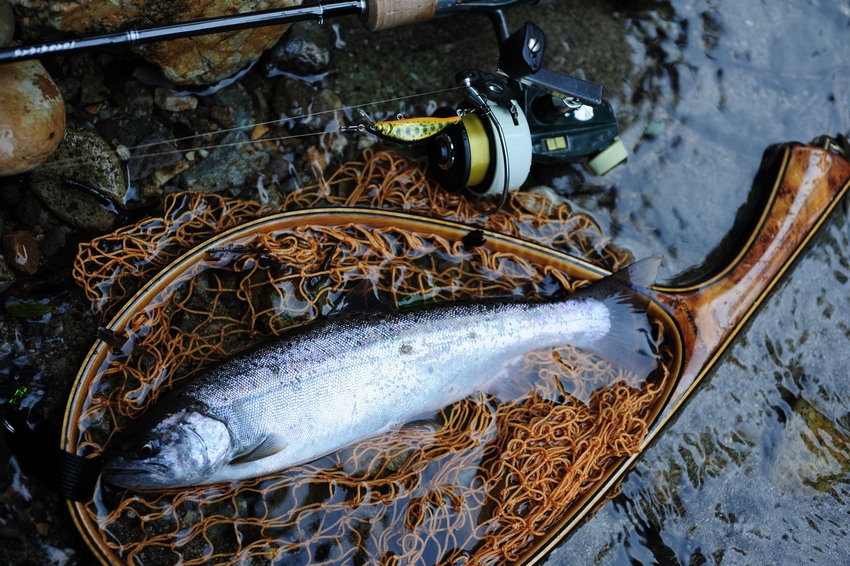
[271,445]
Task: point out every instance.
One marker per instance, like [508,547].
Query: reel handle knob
[521,54]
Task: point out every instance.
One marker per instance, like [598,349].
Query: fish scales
[337,382]
[351,379]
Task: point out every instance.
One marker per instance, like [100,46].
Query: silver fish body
[337,382]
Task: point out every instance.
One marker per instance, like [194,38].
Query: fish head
[182,449]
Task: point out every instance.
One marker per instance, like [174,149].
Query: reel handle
[384,14]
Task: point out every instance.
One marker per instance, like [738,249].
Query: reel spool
[486,153]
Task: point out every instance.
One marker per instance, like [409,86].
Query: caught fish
[336,382]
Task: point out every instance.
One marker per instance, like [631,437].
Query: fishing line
[121,149]
[295,118]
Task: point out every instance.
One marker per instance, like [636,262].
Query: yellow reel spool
[479,149]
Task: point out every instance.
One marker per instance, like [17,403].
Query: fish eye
[145,447]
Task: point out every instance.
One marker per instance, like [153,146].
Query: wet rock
[32,116]
[197,60]
[327,109]
[152,185]
[239,103]
[11,194]
[30,210]
[7,23]
[315,160]
[21,252]
[173,102]
[226,167]
[292,98]
[135,131]
[152,155]
[135,97]
[69,87]
[315,109]
[280,167]
[7,276]
[109,129]
[224,116]
[53,241]
[92,90]
[81,181]
[303,50]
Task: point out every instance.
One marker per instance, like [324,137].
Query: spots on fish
[405,349]
[472,335]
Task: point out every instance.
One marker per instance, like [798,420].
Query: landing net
[480,484]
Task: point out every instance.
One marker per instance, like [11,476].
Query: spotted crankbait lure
[405,130]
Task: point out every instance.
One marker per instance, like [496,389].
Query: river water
[754,469]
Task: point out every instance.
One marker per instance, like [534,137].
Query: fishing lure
[405,130]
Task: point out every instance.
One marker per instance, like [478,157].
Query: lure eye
[145,447]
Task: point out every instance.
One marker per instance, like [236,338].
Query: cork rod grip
[383,14]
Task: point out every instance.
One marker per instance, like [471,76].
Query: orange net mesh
[111,268]
[481,484]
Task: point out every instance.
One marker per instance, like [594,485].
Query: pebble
[280,167]
[7,276]
[92,90]
[86,159]
[316,109]
[30,210]
[173,102]
[237,98]
[21,252]
[53,241]
[303,50]
[292,98]
[32,117]
[11,194]
[152,155]
[226,167]
[70,88]
[315,160]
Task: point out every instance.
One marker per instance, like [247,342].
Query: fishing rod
[526,114]
[375,15]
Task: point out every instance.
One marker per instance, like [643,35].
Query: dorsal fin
[271,445]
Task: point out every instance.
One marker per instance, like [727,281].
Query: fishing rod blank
[186,29]
[375,15]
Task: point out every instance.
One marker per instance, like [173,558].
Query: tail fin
[629,342]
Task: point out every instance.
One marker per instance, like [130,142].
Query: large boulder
[196,60]
[32,116]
